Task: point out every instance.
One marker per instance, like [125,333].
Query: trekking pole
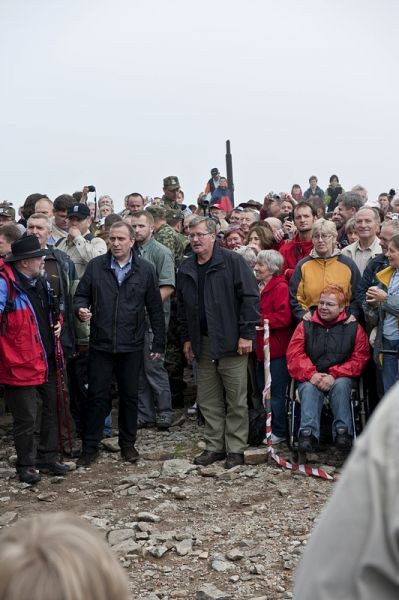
[62,401]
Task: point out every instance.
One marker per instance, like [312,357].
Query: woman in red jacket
[274,306]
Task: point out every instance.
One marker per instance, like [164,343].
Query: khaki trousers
[226,419]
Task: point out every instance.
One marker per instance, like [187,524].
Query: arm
[300,367]
[248,296]
[298,306]
[354,366]
[153,304]
[166,291]
[354,308]
[84,295]
[278,312]
[89,249]
[181,311]
[366,281]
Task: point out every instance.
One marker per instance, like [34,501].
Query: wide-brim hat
[251,204]
[24,248]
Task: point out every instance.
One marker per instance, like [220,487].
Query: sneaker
[164,422]
[55,468]
[130,454]
[29,475]
[306,441]
[233,460]
[208,457]
[86,459]
[277,439]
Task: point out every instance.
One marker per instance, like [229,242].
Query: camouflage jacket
[167,236]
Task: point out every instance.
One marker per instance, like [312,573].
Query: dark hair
[316,202]
[63,202]
[29,205]
[350,200]
[77,196]
[264,234]
[11,232]
[334,177]
[111,219]
[135,195]
[303,204]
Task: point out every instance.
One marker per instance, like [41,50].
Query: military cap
[171,182]
[6,210]
[174,215]
[156,211]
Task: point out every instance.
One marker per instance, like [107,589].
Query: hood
[336,252]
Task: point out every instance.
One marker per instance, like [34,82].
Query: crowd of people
[91,297]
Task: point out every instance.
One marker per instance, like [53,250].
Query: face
[233,241]
[393,255]
[366,224]
[5,246]
[39,228]
[384,203]
[4,220]
[81,224]
[254,242]
[262,272]
[296,192]
[223,183]
[179,197]
[120,243]
[172,194]
[313,183]
[303,219]
[385,236]
[328,307]
[33,267]
[134,204]
[220,214]
[337,218]
[105,202]
[274,208]
[334,182]
[285,209]
[105,210]
[235,218]
[142,229]
[92,208]
[352,236]
[42,206]
[346,213]
[323,243]
[246,220]
[186,223]
[61,219]
[201,240]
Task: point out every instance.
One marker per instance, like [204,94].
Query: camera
[91,188]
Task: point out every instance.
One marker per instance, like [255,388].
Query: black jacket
[231,300]
[118,321]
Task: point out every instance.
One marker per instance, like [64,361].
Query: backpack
[9,305]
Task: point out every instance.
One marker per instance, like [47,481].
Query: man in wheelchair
[325,356]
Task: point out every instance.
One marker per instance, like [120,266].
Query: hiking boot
[276,439]
[233,460]
[130,454]
[343,440]
[55,468]
[306,441]
[29,475]
[146,425]
[86,459]
[164,422]
[208,457]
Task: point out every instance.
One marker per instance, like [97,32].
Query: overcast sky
[121,93]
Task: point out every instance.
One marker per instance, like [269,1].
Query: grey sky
[121,93]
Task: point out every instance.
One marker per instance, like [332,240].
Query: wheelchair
[359,411]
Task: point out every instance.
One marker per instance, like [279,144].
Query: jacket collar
[385,275]
[317,319]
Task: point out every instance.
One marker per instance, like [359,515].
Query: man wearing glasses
[325,355]
[218,310]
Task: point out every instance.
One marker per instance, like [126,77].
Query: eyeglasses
[321,236]
[200,236]
[328,304]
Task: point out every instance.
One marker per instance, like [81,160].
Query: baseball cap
[79,210]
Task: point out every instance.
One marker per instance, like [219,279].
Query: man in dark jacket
[115,292]
[218,309]
[324,355]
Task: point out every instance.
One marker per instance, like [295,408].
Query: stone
[157,551]
[255,456]
[208,591]
[111,444]
[117,536]
[148,517]
[8,517]
[176,467]
[128,546]
[7,473]
[184,547]
[221,566]
[71,465]
[235,554]
[211,471]
[57,479]
[47,497]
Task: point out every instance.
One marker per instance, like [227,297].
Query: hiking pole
[62,401]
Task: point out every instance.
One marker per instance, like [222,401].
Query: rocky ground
[181,531]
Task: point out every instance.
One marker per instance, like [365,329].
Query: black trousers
[22,402]
[126,366]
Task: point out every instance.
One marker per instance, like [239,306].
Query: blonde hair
[324,226]
[58,556]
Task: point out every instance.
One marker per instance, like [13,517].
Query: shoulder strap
[9,306]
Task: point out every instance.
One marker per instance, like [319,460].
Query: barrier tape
[282,462]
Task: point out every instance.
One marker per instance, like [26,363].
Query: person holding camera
[301,244]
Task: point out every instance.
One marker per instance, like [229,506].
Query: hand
[307,316]
[73,232]
[85,192]
[289,227]
[244,346]
[326,383]
[315,379]
[84,314]
[278,234]
[350,319]
[375,294]
[156,356]
[188,352]
[57,329]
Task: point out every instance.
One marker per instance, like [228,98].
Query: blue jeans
[108,425]
[389,364]
[312,400]
[279,376]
